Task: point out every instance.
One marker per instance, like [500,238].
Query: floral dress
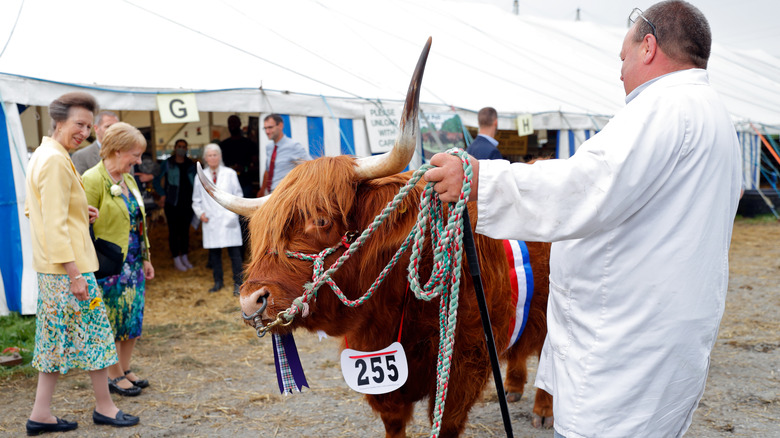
[70,333]
[124,293]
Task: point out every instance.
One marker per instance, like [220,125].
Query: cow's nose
[253,302]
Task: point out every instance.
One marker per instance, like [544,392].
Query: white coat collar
[688,75]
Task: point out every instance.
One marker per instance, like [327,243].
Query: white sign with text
[382,127]
[178,108]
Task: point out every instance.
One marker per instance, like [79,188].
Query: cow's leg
[543,410]
[516,375]
[394,413]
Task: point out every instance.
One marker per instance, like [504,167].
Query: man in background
[283,153]
[485,146]
[87,157]
[240,154]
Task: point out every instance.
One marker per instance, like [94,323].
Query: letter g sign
[178,108]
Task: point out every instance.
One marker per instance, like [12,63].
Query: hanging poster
[440,131]
[382,126]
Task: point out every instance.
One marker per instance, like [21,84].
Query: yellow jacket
[113,223]
[57,207]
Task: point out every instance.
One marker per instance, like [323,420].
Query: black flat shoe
[141,383]
[116,389]
[36,428]
[121,420]
[217,287]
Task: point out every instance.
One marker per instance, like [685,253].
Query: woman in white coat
[220,226]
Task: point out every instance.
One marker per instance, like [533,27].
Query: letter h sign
[525,125]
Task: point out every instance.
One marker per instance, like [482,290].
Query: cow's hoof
[545,422]
[512,397]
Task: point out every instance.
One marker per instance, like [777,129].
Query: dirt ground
[211,376]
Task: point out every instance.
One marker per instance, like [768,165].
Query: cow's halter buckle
[257,319]
[262,330]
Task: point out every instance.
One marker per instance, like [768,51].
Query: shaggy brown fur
[313,207]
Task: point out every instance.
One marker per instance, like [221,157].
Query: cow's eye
[321,222]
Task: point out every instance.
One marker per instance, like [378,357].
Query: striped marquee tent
[322,65]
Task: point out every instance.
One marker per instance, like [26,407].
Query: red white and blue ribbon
[289,371]
[522,279]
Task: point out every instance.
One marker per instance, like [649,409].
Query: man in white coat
[221,228]
[641,219]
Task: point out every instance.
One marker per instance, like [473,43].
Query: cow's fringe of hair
[323,188]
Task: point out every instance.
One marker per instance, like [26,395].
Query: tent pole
[774,154]
[41,132]
[211,123]
[766,144]
[768,203]
[153,135]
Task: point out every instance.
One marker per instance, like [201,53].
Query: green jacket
[113,223]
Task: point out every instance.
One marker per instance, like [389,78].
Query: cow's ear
[372,196]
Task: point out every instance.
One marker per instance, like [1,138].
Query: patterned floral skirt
[124,293]
[70,333]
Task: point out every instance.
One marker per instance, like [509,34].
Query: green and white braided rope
[444,282]
[447,245]
[319,278]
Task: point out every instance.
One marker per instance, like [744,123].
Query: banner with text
[439,131]
[382,127]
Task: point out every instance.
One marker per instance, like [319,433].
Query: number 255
[377,370]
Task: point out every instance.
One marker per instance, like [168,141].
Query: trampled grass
[18,331]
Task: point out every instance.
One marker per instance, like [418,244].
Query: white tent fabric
[16,246]
[333,59]
[350,49]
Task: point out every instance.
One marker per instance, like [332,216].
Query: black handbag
[110,257]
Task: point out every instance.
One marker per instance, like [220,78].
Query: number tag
[375,372]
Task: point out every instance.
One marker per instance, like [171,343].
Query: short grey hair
[682,32]
[212,147]
[105,113]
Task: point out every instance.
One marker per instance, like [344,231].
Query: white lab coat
[641,219]
[222,230]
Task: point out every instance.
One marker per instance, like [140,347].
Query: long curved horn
[236,204]
[399,157]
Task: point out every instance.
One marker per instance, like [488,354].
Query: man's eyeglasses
[637,14]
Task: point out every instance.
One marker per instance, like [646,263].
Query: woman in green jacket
[111,188]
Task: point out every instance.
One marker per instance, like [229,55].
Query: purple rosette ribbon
[289,372]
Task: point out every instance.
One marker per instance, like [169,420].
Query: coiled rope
[444,282]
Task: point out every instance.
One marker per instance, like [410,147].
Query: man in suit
[485,147]
[87,157]
[283,153]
